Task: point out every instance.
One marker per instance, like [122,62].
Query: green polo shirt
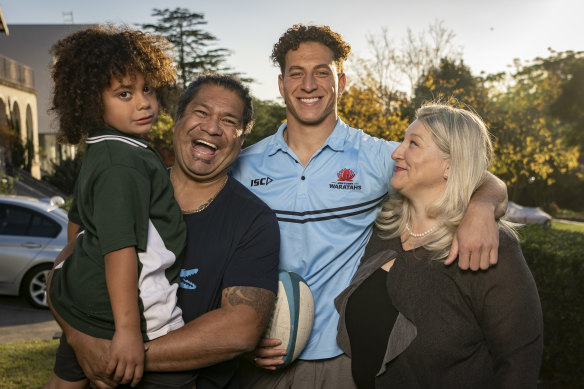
[123,197]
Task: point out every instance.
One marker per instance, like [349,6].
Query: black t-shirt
[233,242]
[370,316]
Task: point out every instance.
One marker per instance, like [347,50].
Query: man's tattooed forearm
[261,300]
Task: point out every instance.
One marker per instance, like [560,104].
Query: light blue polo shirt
[325,211]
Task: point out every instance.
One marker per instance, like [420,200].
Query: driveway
[19,321]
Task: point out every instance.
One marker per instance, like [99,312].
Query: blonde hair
[462,137]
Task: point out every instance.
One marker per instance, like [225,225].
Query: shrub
[160,138]
[556,259]
[65,174]
[569,215]
[6,184]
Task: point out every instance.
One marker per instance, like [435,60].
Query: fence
[16,73]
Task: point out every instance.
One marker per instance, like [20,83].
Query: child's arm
[127,349]
[72,230]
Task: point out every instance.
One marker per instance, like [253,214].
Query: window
[15,220]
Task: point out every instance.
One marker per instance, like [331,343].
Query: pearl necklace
[422,234]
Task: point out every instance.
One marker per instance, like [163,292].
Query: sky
[491,33]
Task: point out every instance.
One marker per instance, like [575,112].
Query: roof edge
[3,26]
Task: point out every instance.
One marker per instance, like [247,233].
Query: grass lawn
[558,225]
[26,364]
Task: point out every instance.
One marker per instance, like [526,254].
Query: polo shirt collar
[104,131]
[335,141]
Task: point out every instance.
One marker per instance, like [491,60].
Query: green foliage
[392,64]
[27,364]
[556,259]
[567,214]
[534,113]
[363,108]
[6,184]
[569,67]
[451,83]
[22,153]
[160,138]
[67,205]
[168,97]
[65,174]
[373,101]
[530,145]
[268,116]
[194,54]
[566,191]
[18,153]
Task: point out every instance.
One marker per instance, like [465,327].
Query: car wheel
[34,285]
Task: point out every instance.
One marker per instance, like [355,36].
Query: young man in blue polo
[325,180]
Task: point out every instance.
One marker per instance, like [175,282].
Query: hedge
[556,259]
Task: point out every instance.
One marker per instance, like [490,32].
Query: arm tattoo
[261,300]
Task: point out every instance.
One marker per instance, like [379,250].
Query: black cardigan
[455,329]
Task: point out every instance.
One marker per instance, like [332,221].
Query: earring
[445,176]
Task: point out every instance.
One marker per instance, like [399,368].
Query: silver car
[32,233]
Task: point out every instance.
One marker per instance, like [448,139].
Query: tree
[380,74]
[391,66]
[19,153]
[64,175]
[531,149]
[374,102]
[362,108]
[193,45]
[13,146]
[569,67]
[160,138]
[268,116]
[6,184]
[425,50]
[452,83]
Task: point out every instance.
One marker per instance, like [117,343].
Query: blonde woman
[408,321]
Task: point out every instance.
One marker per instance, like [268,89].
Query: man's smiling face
[208,136]
[310,84]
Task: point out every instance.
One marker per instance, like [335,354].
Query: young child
[120,282]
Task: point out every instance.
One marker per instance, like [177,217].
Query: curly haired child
[120,282]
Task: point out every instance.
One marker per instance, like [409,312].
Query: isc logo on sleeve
[260,181]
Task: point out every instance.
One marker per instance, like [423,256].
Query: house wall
[30,44]
[18,101]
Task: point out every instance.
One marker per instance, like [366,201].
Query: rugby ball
[293,316]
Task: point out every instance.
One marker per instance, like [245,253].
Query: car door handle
[31,245]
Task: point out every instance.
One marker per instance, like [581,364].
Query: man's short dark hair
[300,33]
[223,80]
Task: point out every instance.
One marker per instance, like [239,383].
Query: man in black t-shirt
[230,273]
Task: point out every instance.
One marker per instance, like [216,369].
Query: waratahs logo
[346,175]
[345,180]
